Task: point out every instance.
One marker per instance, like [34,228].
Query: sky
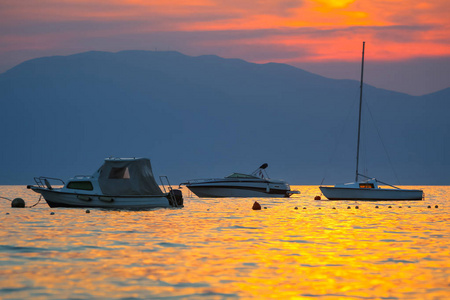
[407,41]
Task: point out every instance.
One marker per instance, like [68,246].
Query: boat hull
[56,198]
[233,191]
[343,193]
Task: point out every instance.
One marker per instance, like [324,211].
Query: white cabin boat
[121,183]
[367,189]
[241,185]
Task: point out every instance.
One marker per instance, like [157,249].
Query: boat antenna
[359,121]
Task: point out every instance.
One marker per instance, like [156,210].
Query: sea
[293,248]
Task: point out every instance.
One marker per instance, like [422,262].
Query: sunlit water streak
[221,248]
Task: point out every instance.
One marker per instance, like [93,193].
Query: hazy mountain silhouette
[207,116]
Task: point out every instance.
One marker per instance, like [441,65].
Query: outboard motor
[177,195]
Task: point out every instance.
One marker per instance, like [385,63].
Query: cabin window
[366,185]
[80,185]
[119,173]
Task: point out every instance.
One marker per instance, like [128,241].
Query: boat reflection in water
[126,183]
[256,184]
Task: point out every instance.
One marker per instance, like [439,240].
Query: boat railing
[82,177]
[201,180]
[169,187]
[45,182]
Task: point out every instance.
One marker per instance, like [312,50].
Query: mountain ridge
[207,116]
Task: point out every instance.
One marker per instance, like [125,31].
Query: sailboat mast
[360,105]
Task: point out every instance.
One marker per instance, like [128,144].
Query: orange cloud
[316,29]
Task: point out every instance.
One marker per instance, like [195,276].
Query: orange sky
[289,31]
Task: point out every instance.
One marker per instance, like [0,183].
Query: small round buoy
[389,206]
[18,202]
[256,206]
[429,206]
[334,207]
[376,206]
[296,207]
[356,207]
[265,207]
[317,198]
[436,206]
[88,211]
[409,206]
[52,213]
[348,207]
[304,207]
[7,213]
[399,207]
[320,207]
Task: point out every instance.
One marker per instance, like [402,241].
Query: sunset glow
[255,30]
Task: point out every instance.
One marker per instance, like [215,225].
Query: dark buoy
[409,206]
[265,207]
[348,207]
[317,198]
[304,207]
[334,207]
[88,211]
[18,202]
[7,213]
[356,207]
[256,206]
[296,207]
[376,206]
[52,213]
[320,207]
[436,206]
[429,206]
[389,206]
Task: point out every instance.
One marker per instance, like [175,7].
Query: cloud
[290,31]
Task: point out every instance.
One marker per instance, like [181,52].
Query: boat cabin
[368,184]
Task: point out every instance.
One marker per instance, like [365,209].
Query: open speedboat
[126,183]
[256,184]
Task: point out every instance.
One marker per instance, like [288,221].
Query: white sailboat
[368,188]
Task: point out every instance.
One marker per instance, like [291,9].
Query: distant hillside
[207,117]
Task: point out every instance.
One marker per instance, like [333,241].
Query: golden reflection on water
[218,248]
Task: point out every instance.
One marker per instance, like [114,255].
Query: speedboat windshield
[240,175]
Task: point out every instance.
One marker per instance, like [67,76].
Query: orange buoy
[256,206]
[317,198]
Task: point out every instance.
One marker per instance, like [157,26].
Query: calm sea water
[221,248]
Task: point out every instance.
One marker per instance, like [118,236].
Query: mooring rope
[40,197]
[5,198]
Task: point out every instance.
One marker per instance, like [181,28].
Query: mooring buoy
[356,207]
[88,211]
[317,198]
[256,206]
[296,207]
[52,213]
[376,206]
[18,202]
[436,206]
